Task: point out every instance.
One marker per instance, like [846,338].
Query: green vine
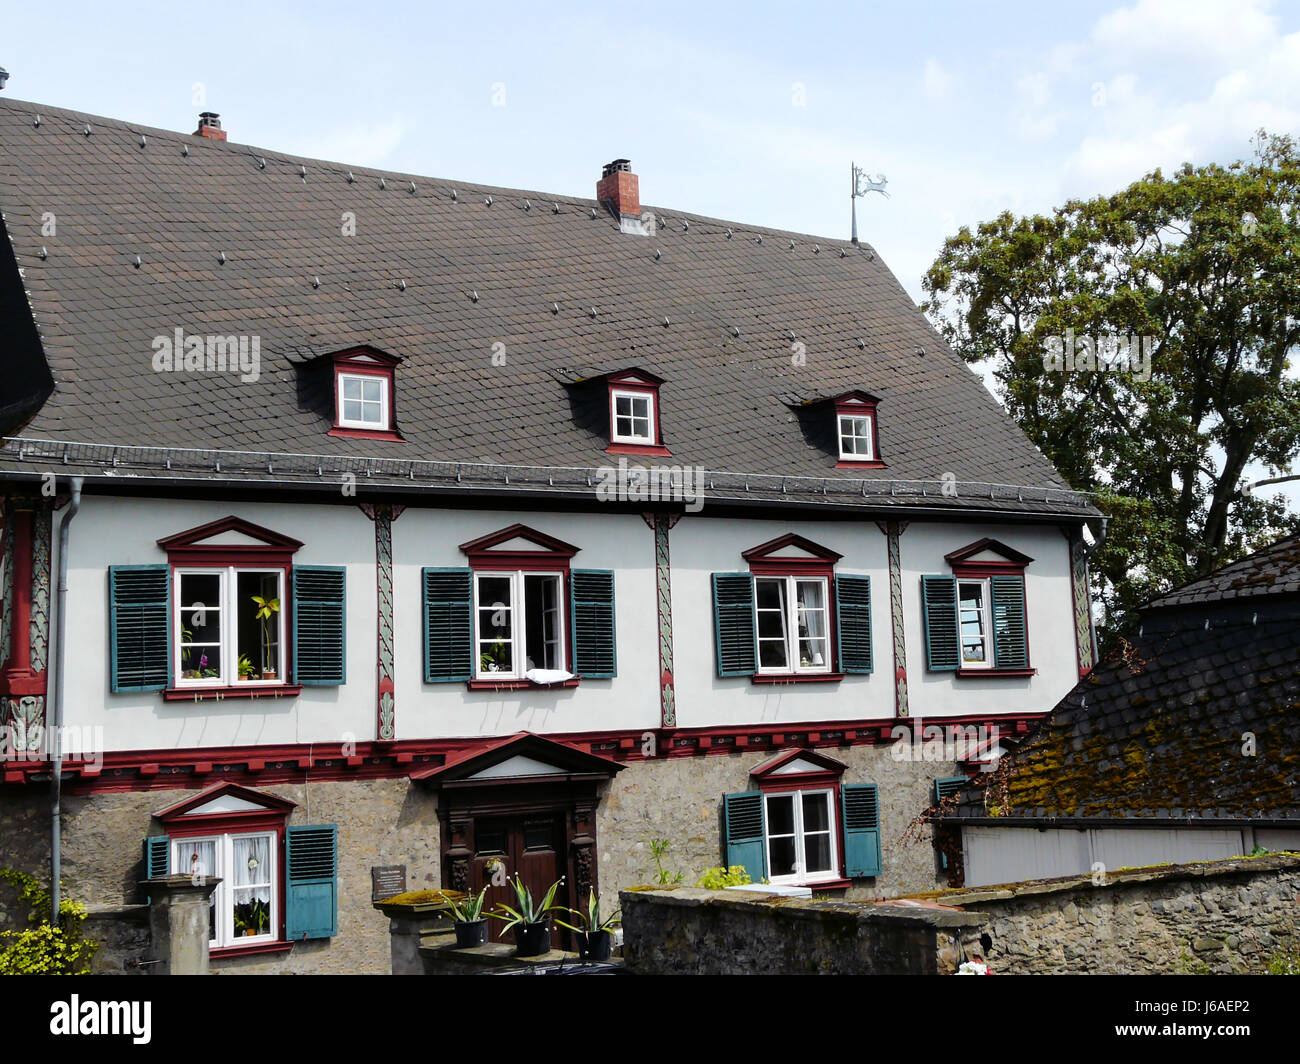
[44,949]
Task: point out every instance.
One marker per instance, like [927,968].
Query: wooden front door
[529,845]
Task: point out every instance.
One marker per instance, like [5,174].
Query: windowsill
[517,685]
[869,463]
[217,953]
[798,677]
[1000,673]
[217,694]
[652,449]
[817,884]
[366,434]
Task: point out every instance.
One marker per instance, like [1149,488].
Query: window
[229,626]
[363,401]
[244,909]
[801,836]
[793,632]
[792,617]
[633,417]
[975,620]
[856,437]
[519,624]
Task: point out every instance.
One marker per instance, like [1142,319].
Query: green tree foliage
[44,949]
[1207,264]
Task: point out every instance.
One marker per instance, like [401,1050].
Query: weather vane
[862,184]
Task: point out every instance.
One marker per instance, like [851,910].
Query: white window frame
[801,877]
[519,622]
[791,625]
[224,893]
[985,619]
[628,393]
[870,436]
[384,401]
[229,655]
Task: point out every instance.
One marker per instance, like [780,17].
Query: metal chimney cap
[618,166]
[4,76]
[210,118]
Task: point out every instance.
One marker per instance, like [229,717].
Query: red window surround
[859,404]
[827,777]
[1011,563]
[551,555]
[766,560]
[189,550]
[366,362]
[273,817]
[638,382]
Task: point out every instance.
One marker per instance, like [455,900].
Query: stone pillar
[179,923]
[412,924]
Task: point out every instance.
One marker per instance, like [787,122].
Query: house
[1182,746]
[417,529]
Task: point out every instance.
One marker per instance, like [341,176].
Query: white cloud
[1215,31]
[936,82]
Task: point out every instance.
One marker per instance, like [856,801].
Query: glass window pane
[623,426]
[370,390]
[781,856]
[257,633]
[544,634]
[816,815]
[495,624]
[770,594]
[772,654]
[351,410]
[351,388]
[623,405]
[780,814]
[817,853]
[200,626]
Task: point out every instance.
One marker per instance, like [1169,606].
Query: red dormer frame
[365,361]
[1013,563]
[857,404]
[637,382]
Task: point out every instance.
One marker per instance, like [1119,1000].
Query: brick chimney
[620,191]
[210,126]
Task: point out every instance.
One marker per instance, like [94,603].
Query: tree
[1142,340]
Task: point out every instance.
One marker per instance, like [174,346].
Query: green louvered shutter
[733,623]
[743,834]
[311,882]
[853,622]
[591,600]
[448,625]
[157,857]
[319,624]
[861,829]
[939,609]
[139,626]
[1010,637]
[948,785]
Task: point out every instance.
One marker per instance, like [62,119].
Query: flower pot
[268,674]
[470,933]
[532,940]
[595,945]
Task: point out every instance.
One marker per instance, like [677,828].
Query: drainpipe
[55,714]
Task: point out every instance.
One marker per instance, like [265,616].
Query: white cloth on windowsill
[546,677]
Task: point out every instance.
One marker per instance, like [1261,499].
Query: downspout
[55,714]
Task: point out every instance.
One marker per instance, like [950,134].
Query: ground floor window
[801,836]
[243,910]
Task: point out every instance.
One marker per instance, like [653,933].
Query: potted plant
[595,935]
[470,923]
[266,609]
[530,920]
[246,667]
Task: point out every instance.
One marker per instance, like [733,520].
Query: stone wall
[689,931]
[1219,916]
[680,799]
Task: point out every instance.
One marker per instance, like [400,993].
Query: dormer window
[634,426]
[855,423]
[364,394]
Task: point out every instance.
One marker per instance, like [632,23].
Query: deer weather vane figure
[862,184]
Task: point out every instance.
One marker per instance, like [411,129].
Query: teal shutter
[948,785]
[139,626]
[311,883]
[939,610]
[853,622]
[319,624]
[448,625]
[743,833]
[861,829]
[157,857]
[591,608]
[1010,635]
[733,624]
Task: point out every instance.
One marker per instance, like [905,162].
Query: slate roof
[1275,570]
[524,271]
[1159,730]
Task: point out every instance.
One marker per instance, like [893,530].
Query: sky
[752,112]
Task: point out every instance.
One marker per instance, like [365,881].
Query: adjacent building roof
[497,302]
[1198,717]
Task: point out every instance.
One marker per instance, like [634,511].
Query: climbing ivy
[44,949]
